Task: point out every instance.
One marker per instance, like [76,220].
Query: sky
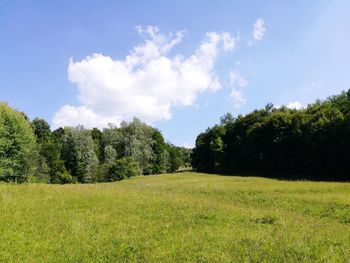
[176,65]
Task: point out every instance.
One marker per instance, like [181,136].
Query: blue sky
[300,53]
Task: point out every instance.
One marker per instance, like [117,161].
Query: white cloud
[71,116]
[146,84]
[295,105]
[238,98]
[237,82]
[237,79]
[258,31]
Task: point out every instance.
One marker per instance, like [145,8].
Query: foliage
[78,153]
[41,129]
[17,146]
[123,168]
[31,152]
[310,143]
[138,143]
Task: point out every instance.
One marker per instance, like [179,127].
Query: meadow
[184,217]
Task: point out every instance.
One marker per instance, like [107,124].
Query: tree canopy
[311,143]
[31,151]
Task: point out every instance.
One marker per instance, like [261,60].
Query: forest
[31,152]
[310,143]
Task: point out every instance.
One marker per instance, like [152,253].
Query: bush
[123,168]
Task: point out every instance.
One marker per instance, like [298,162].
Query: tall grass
[184,217]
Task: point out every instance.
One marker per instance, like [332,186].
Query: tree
[159,151]
[113,137]
[175,160]
[110,154]
[50,162]
[310,143]
[17,146]
[41,129]
[78,153]
[208,153]
[57,171]
[123,168]
[138,143]
[96,136]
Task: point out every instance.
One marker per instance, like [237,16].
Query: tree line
[310,143]
[30,151]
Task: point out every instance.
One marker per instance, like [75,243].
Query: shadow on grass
[283,176]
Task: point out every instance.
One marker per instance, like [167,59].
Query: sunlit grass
[176,218]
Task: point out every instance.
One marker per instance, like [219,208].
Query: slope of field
[176,218]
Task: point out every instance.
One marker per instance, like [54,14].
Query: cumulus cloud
[72,116]
[258,31]
[237,82]
[147,83]
[295,105]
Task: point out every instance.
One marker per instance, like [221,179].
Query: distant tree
[226,119]
[185,155]
[269,107]
[175,160]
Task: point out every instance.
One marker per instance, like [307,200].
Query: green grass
[176,218]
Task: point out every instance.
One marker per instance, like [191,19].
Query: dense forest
[311,143]
[30,151]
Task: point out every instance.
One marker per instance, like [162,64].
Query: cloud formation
[238,83]
[296,105]
[146,84]
[238,98]
[258,31]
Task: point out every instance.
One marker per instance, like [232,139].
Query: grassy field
[176,218]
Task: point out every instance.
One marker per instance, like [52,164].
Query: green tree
[17,146]
[137,143]
[159,153]
[78,153]
[175,160]
[123,168]
[41,129]
[110,154]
